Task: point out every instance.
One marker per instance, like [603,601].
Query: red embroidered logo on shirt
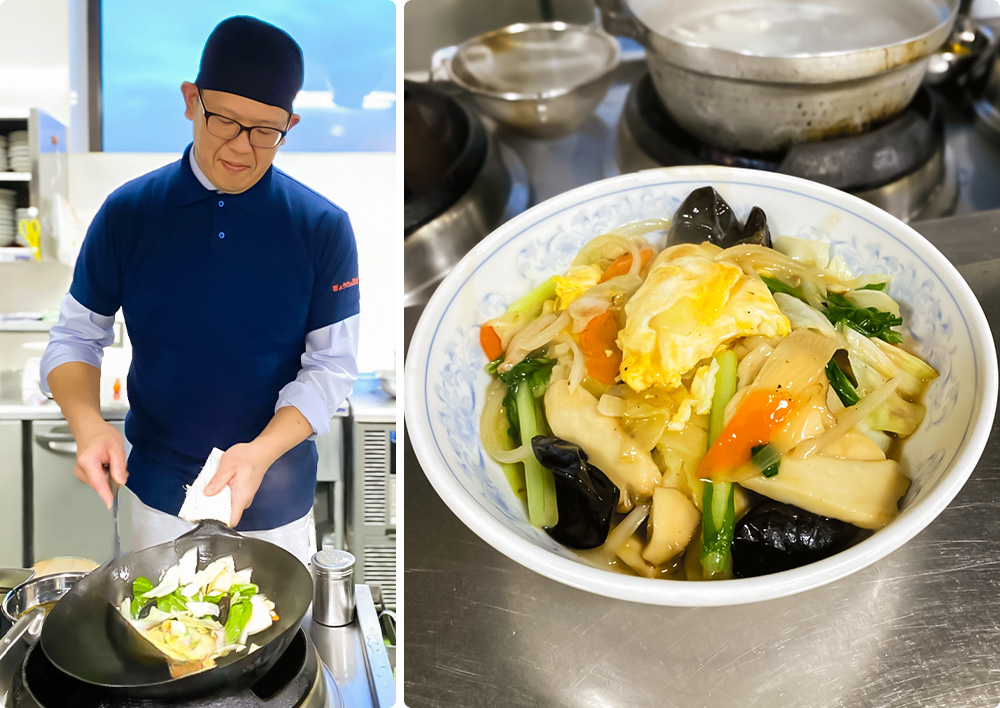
[344,286]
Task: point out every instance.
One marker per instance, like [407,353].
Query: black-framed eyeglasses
[221,126]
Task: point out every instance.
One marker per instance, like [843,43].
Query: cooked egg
[575,283]
[687,309]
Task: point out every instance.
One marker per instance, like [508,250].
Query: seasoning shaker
[333,598]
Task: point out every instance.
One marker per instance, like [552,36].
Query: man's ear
[292,120]
[190,93]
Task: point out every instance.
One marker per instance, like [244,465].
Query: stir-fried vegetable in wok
[727,400]
[195,616]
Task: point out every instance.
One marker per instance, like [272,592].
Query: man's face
[233,165]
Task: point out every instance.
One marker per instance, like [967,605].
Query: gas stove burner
[901,166]
[295,681]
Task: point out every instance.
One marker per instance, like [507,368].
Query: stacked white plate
[18,152]
[8,223]
[3,153]
[19,216]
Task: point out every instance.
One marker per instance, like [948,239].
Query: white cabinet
[69,518]
[10,496]
[43,185]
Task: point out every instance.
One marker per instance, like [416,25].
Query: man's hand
[100,450]
[243,470]
[243,465]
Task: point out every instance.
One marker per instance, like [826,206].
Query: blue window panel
[347,103]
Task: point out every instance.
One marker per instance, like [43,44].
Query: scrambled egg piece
[686,309]
[575,283]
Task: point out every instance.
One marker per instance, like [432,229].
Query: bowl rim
[520,28]
[685,593]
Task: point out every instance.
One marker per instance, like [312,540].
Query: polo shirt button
[222,234]
[222,203]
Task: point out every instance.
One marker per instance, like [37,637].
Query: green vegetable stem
[718,505]
[526,383]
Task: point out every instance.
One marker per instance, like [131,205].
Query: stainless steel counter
[12,409]
[356,656]
[919,628]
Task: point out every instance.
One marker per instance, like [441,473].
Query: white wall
[34,55]
[38,55]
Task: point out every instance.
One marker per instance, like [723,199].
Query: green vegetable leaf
[136,605]
[241,591]
[174,602]
[141,585]
[841,384]
[533,373]
[239,616]
[870,321]
[873,286]
[777,286]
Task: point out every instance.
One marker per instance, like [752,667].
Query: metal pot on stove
[455,185]
[764,75]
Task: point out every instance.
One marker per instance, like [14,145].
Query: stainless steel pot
[41,591]
[456,186]
[765,75]
[542,79]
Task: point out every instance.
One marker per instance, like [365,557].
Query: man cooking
[239,289]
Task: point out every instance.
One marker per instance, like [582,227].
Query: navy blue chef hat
[253,59]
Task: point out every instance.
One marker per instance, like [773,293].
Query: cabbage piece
[874,362]
[800,314]
[796,363]
[873,298]
[260,616]
[815,254]
[168,583]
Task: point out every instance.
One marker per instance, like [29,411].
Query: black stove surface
[853,163]
[288,684]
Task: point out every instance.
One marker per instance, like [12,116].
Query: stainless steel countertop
[15,409]
[918,628]
[356,655]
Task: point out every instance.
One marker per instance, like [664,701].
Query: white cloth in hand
[198,505]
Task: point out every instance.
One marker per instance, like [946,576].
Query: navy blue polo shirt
[218,292]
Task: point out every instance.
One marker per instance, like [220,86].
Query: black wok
[85,637]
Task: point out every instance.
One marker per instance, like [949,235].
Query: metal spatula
[117,548]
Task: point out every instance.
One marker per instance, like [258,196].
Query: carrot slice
[621,265]
[755,422]
[601,354]
[489,340]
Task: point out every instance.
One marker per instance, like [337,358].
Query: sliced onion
[848,418]
[641,227]
[628,526]
[535,335]
[578,369]
[490,430]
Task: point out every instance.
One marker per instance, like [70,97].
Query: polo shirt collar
[188,188]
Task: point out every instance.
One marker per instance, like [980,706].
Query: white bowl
[445,381]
